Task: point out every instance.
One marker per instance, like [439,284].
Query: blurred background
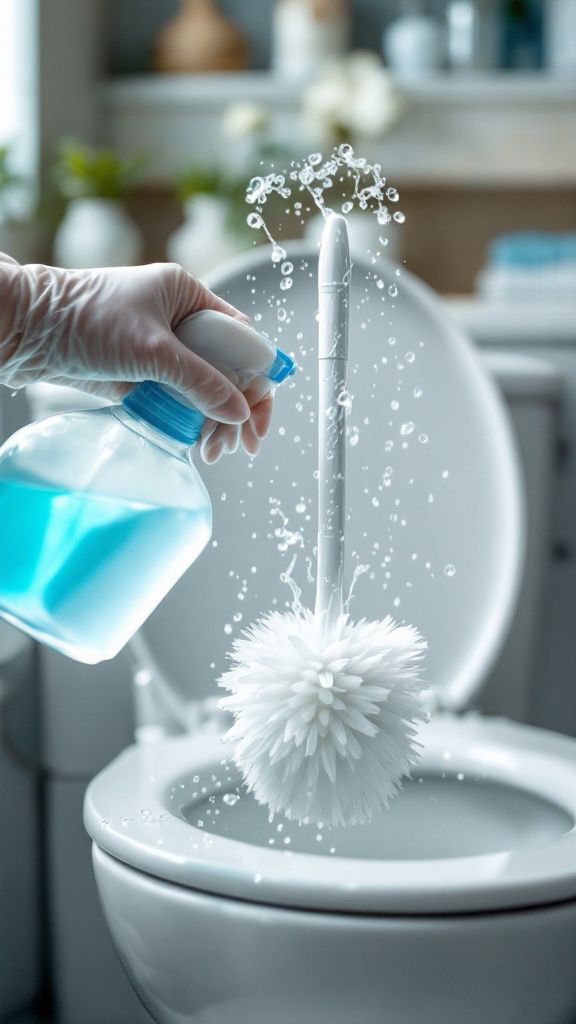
[129,131]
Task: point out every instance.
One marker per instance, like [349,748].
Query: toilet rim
[171,849]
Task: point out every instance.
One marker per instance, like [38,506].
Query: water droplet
[392,193]
[407,428]
[281,312]
[376,502]
[393,291]
[254,220]
[354,439]
[228,628]
[399,217]
[287,267]
[417,392]
[300,507]
[286,283]
[230,799]
[344,400]
[278,254]
[314,159]
[423,438]
[347,207]
[410,357]
[379,283]
[449,570]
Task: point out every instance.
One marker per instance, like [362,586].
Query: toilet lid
[492,825]
[433,494]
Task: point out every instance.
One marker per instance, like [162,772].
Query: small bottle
[472,41]
[102,511]
[413,45]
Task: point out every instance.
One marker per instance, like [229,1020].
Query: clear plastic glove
[105,330]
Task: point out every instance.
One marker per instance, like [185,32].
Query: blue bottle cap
[152,403]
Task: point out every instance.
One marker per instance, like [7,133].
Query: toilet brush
[326,710]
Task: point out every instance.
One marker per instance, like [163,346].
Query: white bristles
[324,730]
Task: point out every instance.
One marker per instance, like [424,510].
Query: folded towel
[531,249]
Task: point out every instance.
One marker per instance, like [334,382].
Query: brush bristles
[324,731]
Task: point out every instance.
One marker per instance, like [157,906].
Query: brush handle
[333,294]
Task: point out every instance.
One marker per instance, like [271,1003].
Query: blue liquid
[81,572]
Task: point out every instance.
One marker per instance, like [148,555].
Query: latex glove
[105,330]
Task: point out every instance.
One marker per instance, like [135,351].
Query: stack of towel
[533,266]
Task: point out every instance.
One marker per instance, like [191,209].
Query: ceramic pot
[203,240]
[97,233]
[200,39]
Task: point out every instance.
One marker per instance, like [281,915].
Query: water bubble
[345,401]
[407,428]
[231,799]
[237,617]
[423,438]
[445,474]
[392,193]
[383,217]
[278,253]
[228,628]
[281,313]
[376,502]
[354,439]
[286,283]
[287,267]
[394,404]
[314,159]
[410,357]
[345,150]
[393,291]
[379,283]
[347,207]
[417,392]
[391,341]
[399,217]
[254,220]
[449,570]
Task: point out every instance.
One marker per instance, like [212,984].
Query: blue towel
[531,249]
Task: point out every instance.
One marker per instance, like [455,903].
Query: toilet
[459,901]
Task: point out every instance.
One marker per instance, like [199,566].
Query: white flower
[243,118]
[355,96]
[325,732]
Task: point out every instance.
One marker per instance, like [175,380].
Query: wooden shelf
[506,128]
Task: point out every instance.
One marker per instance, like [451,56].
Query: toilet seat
[136,811]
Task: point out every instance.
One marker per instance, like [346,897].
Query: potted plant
[210,233]
[96,229]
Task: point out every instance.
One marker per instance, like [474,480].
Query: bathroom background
[469,106]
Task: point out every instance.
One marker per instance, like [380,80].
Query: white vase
[203,241]
[97,233]
[364,234]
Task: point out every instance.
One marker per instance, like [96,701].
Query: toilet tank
[532,390]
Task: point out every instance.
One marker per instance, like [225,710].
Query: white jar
[306,34]
[413,45]
[97,233]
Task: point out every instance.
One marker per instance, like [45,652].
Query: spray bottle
[102,510]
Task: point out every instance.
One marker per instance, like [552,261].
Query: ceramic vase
[203,241]
[97,233]
[200,39]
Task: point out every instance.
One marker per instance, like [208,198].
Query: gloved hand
[105,330]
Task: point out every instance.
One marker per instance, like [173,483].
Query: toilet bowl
[459,902]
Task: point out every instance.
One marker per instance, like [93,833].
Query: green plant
[87,172]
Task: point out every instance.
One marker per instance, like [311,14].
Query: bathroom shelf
[502,129]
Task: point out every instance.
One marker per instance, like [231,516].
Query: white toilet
[459,902]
